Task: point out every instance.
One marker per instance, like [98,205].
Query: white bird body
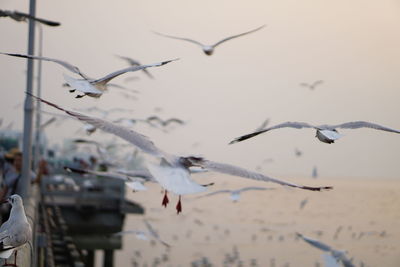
[16,231]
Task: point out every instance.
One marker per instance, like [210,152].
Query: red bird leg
[165,200]
[179,206]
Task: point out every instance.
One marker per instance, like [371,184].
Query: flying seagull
[134,62]
[235,194]
[173,172]
[325,133]
[88,86]
[339,255]
[134,180]
[19,16]
[313,85]
[16,231]
[209,49]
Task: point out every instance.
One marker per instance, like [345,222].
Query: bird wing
[364,124]
[133,62]
[237,35]
[297,125]
[114,74]
[262,126]
[237,171]
[155,234]
[215,193]
[44,21]
[315,243]
[253,188]
[135,138]
[180,38]
[65,64]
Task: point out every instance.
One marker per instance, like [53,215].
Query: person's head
[15,156]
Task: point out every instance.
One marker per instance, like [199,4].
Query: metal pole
[25,180]
[38,134]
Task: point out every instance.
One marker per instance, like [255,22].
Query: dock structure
[72,217]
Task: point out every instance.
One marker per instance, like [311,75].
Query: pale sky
[352,45]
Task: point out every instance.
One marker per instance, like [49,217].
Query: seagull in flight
[143,235]
[173,173]
[19,16]
[339,255]
[134,62]
[235,194]
[88,86]
[209,49]
[313,85]
[325,133]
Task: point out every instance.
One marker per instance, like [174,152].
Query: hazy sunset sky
[352,45]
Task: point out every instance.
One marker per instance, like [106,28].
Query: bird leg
[15,261]
[179,205]
[165,199]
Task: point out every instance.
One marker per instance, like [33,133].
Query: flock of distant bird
[172,172]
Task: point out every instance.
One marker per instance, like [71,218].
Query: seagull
[16,231]
[298,152]
[339,255]
[325,133]
[312,86]
[173,171]
[134,180]
[209,49]
[165,122]
[235,194]
[144,235]
[19,16]
[90,87]
[134,62]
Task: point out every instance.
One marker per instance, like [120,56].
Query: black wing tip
[322,188]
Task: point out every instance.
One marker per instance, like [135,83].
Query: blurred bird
[313,85]
[164,123]
[325,133]
[339,255]
[235,194]
[209,49]
[19,16]
[88,86]
[303,203]
[173,172]
[314,173]
[298,152]
[134,62]
[144,235]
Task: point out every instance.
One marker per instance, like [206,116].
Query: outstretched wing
[237,171]
[364,124]
[135,138]
[180,38]
[65,64]
[112,75]
[237,35]
[297,125]
[315,243]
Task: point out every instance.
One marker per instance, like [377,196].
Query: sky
[351,45]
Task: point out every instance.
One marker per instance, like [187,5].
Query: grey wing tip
[234,141]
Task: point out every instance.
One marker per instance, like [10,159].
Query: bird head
[14,200]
